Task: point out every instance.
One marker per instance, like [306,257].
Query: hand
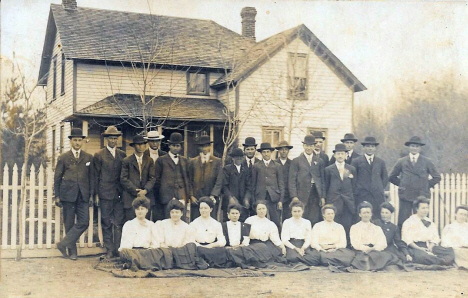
[409,258]
[246,204]
[96,200]
[331,249]
[283,250]
[213,199]
[91,201]
[233,200]
[322,202]
[300,251]
[280,206]
[430,247]
[193,200]
[142,192]
[57,202]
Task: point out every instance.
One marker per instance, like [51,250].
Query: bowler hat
[111,131]
[283,144]
[249,141]
[237,152]
[318,135]
[204,140]
[265,146]
[176,138]
[76,133]
[154,136]
[349,137]
[369,141]
[340,148]
[415,140]
[138,140]
[309,140]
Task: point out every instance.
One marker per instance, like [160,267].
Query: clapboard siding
[264,93]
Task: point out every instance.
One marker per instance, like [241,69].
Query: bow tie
[176,156]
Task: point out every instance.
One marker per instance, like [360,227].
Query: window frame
[54,77]
[324,130]
[207,83]
[62,75]
[294,94]
[271,130]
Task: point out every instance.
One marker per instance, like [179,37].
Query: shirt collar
[350,152]
[414,156]
[138,158]
[154,152]
[111,150]
[283,161]
[308,156]
[205,156]
[238,167]
[251,159]
[267,162]
[75,151]
[340,164]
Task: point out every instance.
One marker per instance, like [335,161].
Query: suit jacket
[164,187]
[244,163]
[130,178]
[203,178]
[245,232]
[348,161]
[267,180]
[324,157]
[151,193]
[107,172]
[301,174]
[74,176]
[160,152]
[370,180]
[340,192]
[413,181]
[236,184]
[285,168]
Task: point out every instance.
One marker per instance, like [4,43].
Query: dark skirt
[311,256]
[257,254]
[442,255]
[216,257]
[340,257]
[186,257]
[375,260]
[394,250]
[147,259]
[272,249]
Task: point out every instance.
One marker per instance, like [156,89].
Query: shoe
[63,250]
[73,257]
[73,254]
[109,254]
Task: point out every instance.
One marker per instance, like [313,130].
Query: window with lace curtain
[297,76]
[197,83]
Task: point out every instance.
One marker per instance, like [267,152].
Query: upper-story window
[198,83]
[62,76]
[54,77]
[297,76]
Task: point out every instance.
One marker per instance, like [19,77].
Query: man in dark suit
[107,166]
[285,163]
[349,141]
[172,176]
[371,177]
[154,152]
[306,180]
[74,191]
[339,186]
[250,148]
[236,232]
[411,175]
[137,176]
[268,183]
[318,149]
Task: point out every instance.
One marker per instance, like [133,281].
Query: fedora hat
[318,135]
[237,152]
[309,140]
[111,131]
[340,148]
[138,140]
[204,140]
[265,146]
[176,138]
[249,141]
[153,136]
[283,144]
[415,140]
[76,133]
[369,141]
[349,137]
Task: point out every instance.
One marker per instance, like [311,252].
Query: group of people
[312,209]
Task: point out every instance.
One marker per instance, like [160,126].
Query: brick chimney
[69,4]
[248,22]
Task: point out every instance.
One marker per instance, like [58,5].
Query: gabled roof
[263,50]
[130,106]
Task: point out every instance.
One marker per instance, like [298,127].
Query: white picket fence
[42,220]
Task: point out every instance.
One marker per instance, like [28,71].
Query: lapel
[170,162]
[134,162]
[109,155]
[367,166]
[335,170]
[81,157]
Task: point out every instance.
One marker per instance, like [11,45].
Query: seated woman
[395,245]
[236,232]
[369,242]
[172,232]
[455,235]
[421,235]
[329,239]
[295,235]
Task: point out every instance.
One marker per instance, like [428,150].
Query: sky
[386,44]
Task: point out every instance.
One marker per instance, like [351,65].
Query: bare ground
[57,277]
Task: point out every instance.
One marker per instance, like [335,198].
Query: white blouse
[328,233]
[414,230]
[135,234]
[234,230]
[455,235]
[364,233]
[169,234]
[207,231]
[296,229]
[263,229]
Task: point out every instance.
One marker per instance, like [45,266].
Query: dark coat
[107,172]
[301,174]
[348,161]
[285,168]
[235,184]
[151,193]
[267,180]
[74,176]
[370,181]
[160,152]
[393,235]
[130,178]
[165,178]
[324,157]
[245,232]
[414,181]
[339,192]
[203,178]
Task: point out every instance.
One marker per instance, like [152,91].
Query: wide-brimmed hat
[283,144]
[249,141]
[76,133]
[204,140]
[318,135]
[415,140]
[138,140]
[340,148]
[111,131]
[349,137]
[176,138]
[154,136]
[237,152]
[309,140]
[369,141]
[265,146]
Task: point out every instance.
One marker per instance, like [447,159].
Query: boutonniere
[315,162]
[348,174]
[88,163]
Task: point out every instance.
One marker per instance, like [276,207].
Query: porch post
[185,141]
[212,137]
[85,128]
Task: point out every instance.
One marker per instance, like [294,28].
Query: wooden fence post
[32,205]
[40,209]
[14,206]
[49,178]
[6,200]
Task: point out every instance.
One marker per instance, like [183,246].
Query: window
[324,131]
[272,135]
[53,147]
[197,83]
[62,74]
[297,76]
[54,74]
[62,137]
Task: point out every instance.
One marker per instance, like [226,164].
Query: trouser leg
[117,222]
[82,222]
[107,207]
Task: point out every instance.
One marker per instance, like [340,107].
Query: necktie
[340,168]
[176,156]
[139,165]
[413,161]
[250,163]
[370,160]
[347,155]
[77,155]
